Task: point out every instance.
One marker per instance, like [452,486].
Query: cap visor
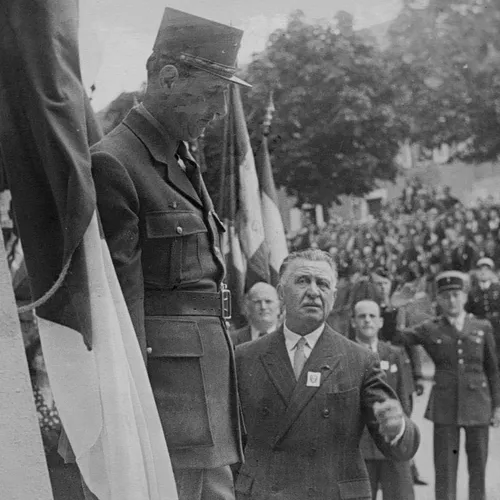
[233,79]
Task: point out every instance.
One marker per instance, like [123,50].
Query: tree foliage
[334,130]
[444,57]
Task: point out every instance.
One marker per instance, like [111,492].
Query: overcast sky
[117,35]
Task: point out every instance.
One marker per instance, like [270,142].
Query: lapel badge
[439,341]
[313,379]
[384,364]
[173,205]
[394,368]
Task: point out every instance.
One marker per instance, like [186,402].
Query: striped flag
[245,247]
[273,224]
[93,359]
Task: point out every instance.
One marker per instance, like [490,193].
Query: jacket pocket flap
[357,489]
[243,484]
[173,224]
[173,338]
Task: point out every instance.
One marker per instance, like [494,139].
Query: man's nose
[313,289]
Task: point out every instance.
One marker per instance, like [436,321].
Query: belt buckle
[226,302]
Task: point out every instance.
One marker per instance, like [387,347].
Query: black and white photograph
[251,250]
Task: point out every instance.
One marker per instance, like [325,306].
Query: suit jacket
[396,366]
[163,235]
[467,383]
[303,441]
[241,335]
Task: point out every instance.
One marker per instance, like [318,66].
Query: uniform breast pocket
[171,252]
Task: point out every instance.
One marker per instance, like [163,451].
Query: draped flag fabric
[273,224]
[245,246]
[93,359]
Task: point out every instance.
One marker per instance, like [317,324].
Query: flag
[93,359]
[273,224]
[244,244]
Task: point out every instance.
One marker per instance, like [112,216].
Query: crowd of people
[423,232]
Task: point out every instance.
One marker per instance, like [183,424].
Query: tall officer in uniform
[163,235]
[484,298]
[466,394]
[394,478]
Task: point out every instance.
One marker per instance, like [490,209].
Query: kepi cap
[486,261]
[451,280]
[201,43]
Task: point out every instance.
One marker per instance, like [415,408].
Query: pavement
[424,458]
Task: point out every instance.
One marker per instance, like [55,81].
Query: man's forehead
[268,293]
[311,267]
[366,307]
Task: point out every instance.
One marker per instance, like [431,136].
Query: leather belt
[187,303]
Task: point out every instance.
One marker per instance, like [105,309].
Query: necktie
[299,359]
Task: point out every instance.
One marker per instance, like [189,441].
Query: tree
[444,56]
[335,130]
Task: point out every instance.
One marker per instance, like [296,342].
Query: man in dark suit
[393,477]
[262,309]
[466,394]
[163,234]
[307,393]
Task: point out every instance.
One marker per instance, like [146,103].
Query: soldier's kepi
[163,234]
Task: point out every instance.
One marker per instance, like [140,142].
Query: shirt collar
[484,285]
[458,321]
[291,338]
[373,346]
[254,332]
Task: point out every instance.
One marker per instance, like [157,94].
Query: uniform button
[461,361]
[149,350]
[179,230]
[459,342]
[326,413]
[460,351]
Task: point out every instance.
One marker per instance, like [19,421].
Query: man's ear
[169,74]
[279,289]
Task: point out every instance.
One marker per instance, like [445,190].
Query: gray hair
[311,254]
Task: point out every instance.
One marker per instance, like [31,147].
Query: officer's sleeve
[118,208]
[490,365]
[406,386]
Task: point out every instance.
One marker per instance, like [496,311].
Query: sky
[116,36]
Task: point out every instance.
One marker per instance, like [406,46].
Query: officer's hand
[419,387]
[495,418]
[390,418]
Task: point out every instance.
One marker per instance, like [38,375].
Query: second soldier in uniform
[466,393]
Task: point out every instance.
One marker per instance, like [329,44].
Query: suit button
[179,230]
[326,413]
[311,492]
[265,411]
[149,350]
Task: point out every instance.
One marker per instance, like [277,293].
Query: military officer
[484,298]
[163,235]
[466,393]
[394,478]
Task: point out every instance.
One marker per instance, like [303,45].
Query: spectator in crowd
[394,478]
[262,310]
[306,394]
[484,297]
[466,394]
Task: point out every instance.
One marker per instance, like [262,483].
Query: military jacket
[466,382]
[163,235]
